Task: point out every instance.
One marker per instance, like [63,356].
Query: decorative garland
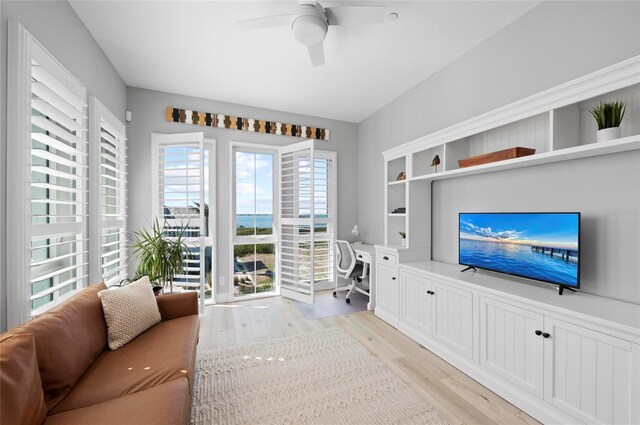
[245,124]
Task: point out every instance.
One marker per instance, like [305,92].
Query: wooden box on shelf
[495,156]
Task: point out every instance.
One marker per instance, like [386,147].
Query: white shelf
[397,182]
[397,215]
[584,151]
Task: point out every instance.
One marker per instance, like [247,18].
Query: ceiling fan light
[309,30]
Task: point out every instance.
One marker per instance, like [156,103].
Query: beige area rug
[322,377]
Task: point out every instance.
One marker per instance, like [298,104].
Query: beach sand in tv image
[542,246]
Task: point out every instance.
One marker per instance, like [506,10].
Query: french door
[254,237]
[183,195]
[307,220]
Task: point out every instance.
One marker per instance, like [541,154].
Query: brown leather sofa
[147,381]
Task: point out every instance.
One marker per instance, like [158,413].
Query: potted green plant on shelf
[159,256]
[403,237]
[608,116]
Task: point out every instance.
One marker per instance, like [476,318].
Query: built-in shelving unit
[556,123]
[485,324]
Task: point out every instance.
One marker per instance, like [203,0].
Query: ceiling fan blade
[316,53]
[355,15]
[265,22]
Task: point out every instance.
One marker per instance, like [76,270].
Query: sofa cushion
[20,385]
[164,352]
[129,311]
[169,403]
[68,338]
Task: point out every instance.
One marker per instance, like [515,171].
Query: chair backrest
[346,260]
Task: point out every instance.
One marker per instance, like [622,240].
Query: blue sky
[254,183]
[553,230]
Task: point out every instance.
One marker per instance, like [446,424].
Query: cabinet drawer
[387,258]
[363,256]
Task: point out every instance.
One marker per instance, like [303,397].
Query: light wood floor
[459,398]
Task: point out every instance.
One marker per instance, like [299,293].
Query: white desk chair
[349,268]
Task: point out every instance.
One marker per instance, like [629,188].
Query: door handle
[385,258]
[359,256]
[431,293]
[538,332]
[393,278]
[546,335]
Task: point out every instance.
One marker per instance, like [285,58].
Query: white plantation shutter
[108,195]
[297,225]
[47,172]
[325,216]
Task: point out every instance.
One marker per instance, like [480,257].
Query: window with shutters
[47,179]
[108,179]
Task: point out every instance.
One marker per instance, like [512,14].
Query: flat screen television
[543,246]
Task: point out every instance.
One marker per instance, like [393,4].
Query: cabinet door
[590,375]
[415,302]
[387,293]
[509,346]
[453,317]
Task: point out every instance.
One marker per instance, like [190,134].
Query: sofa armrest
[173,306]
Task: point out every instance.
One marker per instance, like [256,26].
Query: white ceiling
[196,49]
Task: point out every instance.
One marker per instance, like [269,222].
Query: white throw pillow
[129,311]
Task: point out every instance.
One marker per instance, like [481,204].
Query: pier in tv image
[541,246]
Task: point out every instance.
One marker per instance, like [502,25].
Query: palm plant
[160,257]
[608,114]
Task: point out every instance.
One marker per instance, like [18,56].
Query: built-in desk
[366,254]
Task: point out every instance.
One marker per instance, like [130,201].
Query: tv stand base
[468,268]
[562,288]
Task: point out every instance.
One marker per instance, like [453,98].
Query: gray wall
[148,109]
[56,26]
[552,44]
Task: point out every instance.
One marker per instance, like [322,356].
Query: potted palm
[608,116]
[160,257]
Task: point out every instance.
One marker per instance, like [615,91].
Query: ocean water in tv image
[522,244]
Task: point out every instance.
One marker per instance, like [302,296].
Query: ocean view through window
[255,242]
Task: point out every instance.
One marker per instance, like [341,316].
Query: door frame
[257,148]
[159,139]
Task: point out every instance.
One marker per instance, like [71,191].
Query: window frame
[158,140]
[22,50]
[99,114]
[273,238]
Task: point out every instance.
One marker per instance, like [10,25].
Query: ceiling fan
[311,21]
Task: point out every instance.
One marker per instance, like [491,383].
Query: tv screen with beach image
[541,246]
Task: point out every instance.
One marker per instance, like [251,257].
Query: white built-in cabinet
[429,308]
[510,345]
[387,293]
[555,365]
[387,280]
[453,317]
[568,359]
[591,375]
[416,309]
